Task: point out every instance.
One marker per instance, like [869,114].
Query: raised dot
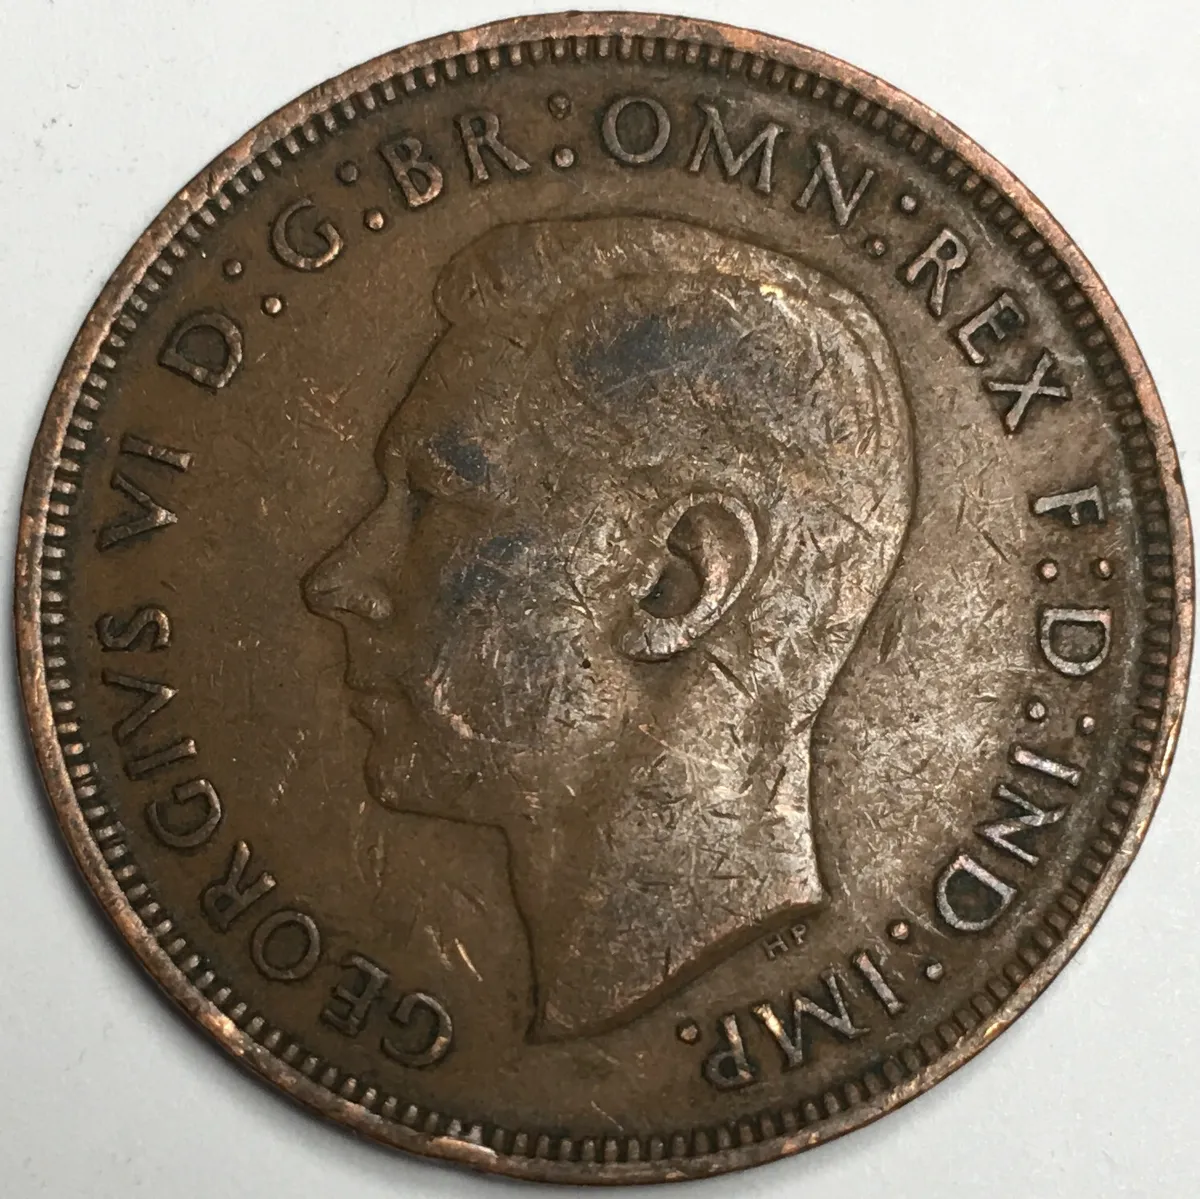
[900,931]
[374,219]
[347,173]
[1087,725]
[688,1032]
[1048,570]
[1104,568]
[272,305]
[564,158]
[1036,711]
[233,268]
[875,246]
[935,971]
[559,106]
[909,203]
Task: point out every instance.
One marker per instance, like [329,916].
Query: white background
[107,108]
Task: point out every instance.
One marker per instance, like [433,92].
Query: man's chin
[398,783]
[387,783]
[392,770]
[401,784]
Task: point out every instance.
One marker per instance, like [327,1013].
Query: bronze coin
[606,598]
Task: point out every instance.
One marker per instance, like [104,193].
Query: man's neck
[670,885]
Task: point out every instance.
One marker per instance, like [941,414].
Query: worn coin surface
[606,598]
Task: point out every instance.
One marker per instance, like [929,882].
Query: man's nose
[343,583]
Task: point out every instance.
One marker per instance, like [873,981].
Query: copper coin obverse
[606,598]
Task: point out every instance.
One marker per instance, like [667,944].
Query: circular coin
[606,598]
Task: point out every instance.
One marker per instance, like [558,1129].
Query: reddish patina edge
[96,327]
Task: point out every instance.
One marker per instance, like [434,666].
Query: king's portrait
[638,506]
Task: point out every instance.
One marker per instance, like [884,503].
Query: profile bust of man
[639,503]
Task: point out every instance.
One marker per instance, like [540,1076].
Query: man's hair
[697,360]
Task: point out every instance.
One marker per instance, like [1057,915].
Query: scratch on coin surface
[462,953]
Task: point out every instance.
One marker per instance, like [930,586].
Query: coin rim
[46,454]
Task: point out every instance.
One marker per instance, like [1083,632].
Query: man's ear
[705,550]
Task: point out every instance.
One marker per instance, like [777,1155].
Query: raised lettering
[999,832]
[226,899]
[977,920]
[158,695]
[1034,388]
[443,1031]
[1085,506]
[612,135]
[775,946]
[1065,658]
[206,348]
[1001,317]
[836,1017]
[946,254]
[289,963]
[419,179]
[153,515]
[481,131]
[778,944]
[181,823]
[865,965]
[762,143]
[826,172]
[160,759]
[1062,772]
[289,255]
[127,634]
[350,1002]
[140,448]
[727,1067]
